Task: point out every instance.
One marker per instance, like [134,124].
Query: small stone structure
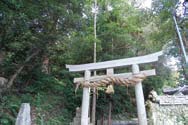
[24,117]
[77,118]
[169,110]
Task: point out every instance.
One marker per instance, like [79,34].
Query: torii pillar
[141,111]
[85,101]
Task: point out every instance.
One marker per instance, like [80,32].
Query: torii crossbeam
[109,66]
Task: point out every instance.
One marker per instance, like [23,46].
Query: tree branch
[13,77]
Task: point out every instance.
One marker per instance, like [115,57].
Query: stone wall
[168,112]
[118,122]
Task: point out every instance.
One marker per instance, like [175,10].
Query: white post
[85,101]
[24,115]
[141,111]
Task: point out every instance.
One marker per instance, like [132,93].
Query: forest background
[38,37]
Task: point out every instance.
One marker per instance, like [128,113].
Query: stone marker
[24,117]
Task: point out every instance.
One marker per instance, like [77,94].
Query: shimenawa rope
[112,80]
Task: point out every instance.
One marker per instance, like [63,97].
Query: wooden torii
[109,67]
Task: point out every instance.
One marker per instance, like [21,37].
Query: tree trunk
[102,119]
[94,60]
[13,77]
[184,71]
[93,106]
[110,113]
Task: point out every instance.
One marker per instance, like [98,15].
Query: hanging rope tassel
[110,89]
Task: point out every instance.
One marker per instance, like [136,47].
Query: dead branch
[14,76]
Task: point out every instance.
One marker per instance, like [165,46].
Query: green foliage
[61,33]
[182,119]
[9,109]
[123,102]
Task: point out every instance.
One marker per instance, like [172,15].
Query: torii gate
[109,66]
